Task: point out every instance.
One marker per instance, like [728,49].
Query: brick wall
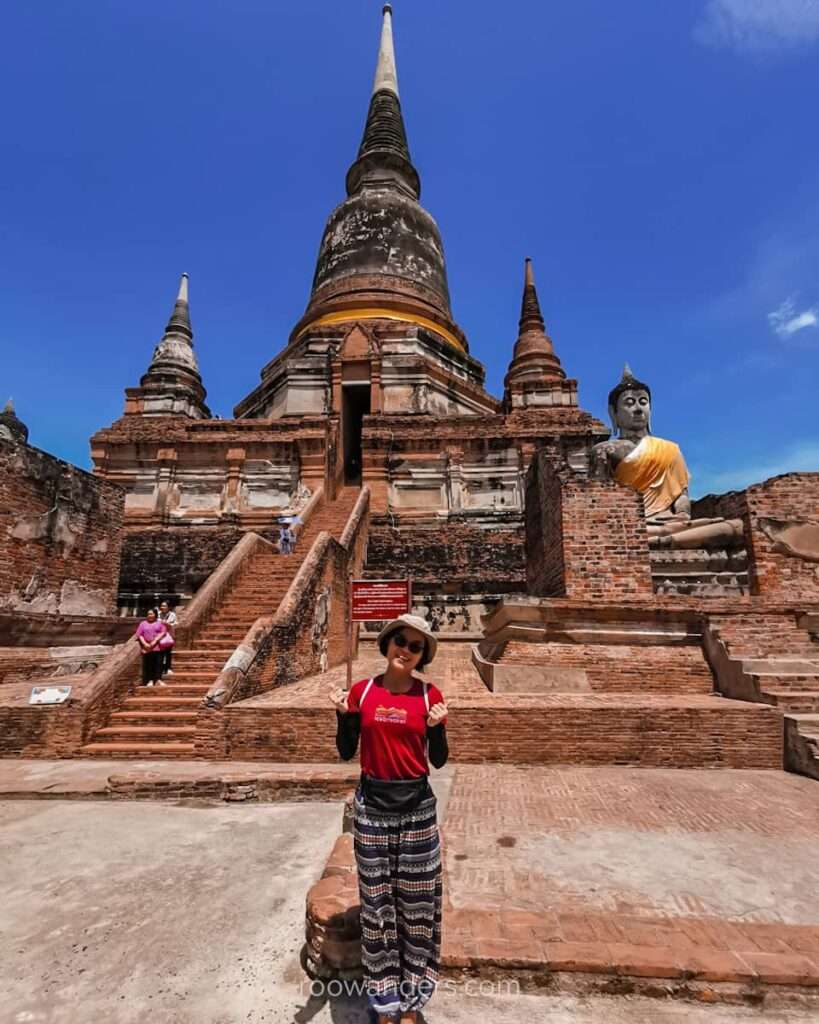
[176,560]
[646,732]
[758,635]
[586,538]
[792,497]
[60,535]
[545,565]
[454,554]
[622,668]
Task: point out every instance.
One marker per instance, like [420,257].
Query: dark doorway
[355,405]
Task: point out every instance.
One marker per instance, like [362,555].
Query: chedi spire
[11,427]
[172,384]
[535,375]
[381,255]
[384,156]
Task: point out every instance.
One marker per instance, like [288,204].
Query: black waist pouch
[394,796]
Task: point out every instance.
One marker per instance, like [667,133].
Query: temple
[558,559]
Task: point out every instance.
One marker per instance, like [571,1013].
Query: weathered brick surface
[586,539]
[60,535]
[309,629]
[296,723]
[453,554]
[791,497]
[44,731]
[622,668]
[177,560]
[760,634]
[528,886]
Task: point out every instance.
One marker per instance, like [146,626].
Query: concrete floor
[130,913]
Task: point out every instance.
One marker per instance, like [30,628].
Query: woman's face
[151,615]
[405,649]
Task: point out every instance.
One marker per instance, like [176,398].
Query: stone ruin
[575,567]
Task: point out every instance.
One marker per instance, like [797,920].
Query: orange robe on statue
[657,469]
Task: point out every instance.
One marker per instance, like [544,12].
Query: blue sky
[659,162]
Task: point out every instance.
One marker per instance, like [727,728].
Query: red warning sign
[378,600]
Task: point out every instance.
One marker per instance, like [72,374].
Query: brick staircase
[781,658]
[791,683]
[160,721]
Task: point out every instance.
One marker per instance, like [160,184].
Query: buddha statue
[656,468]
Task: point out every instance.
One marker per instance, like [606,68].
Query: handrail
[113,676]
[256,645]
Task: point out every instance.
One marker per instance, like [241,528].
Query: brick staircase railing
[122,719]
[290,633]
[784,674]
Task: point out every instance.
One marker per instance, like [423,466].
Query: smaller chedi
[656,468]
[11,427]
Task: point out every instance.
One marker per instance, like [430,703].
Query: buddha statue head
[630,407]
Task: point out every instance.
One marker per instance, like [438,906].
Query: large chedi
[381,273]
[374,387]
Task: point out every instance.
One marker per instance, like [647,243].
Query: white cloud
[800,458]
[785,320]
[759,25]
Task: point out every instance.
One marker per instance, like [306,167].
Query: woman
[401,721]
[170,620]
[148,634]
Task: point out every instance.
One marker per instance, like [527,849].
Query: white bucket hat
[412,622]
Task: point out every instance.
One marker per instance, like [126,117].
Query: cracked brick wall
[586,538]
[174,562]
[790,499]
[60,535]
[455,557]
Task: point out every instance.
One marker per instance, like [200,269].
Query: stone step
[174,690]
[793,700]
[241,621]
[143,748]
[213,665]
[209,646]
[153,717]
[786,681]
[160,703]
[795,651]
[808,727]
[152,733]
[191,652]
[223,636]
[784,665]
[184,677]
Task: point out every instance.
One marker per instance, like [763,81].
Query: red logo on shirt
[395,716]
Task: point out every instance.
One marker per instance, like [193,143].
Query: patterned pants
[399,879]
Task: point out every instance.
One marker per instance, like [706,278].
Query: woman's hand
[338,698]
[437,713]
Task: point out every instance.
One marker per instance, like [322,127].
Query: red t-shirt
[393,729]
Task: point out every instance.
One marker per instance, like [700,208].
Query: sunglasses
[413,646]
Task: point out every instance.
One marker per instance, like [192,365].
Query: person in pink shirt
[148,635]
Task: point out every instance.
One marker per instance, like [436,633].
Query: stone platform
[86,779]
[655,728]
[691,877]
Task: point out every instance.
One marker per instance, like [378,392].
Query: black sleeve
[348,728]
[438,746]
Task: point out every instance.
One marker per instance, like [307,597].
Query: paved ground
[133,913]
[93,777]
[668,870]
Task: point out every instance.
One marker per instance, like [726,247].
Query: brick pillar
[166,459]
[234,460]
[585,539]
